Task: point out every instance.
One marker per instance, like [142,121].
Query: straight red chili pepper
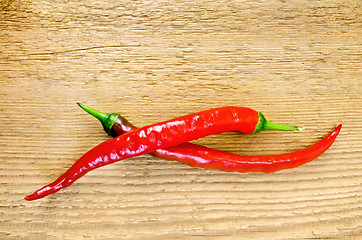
[160,135]
[200,156]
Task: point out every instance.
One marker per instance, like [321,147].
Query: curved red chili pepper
[200,156]
[160,135]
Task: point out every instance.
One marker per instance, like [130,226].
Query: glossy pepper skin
[156,136]
[199,156]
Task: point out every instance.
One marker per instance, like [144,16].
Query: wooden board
[299,62]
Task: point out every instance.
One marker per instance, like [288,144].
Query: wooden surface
[299,62]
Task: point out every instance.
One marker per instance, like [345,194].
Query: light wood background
[299,62]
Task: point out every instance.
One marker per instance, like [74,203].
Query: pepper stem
[264,124]
[280,127]
[106,119]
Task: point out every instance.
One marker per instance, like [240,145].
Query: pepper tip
[28,198]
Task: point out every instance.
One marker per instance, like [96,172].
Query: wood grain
[299,62]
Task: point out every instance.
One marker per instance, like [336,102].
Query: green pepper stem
[264,124]
[106,119]
[280,127]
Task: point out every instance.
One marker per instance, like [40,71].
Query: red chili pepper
[162,135]
[200,156]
